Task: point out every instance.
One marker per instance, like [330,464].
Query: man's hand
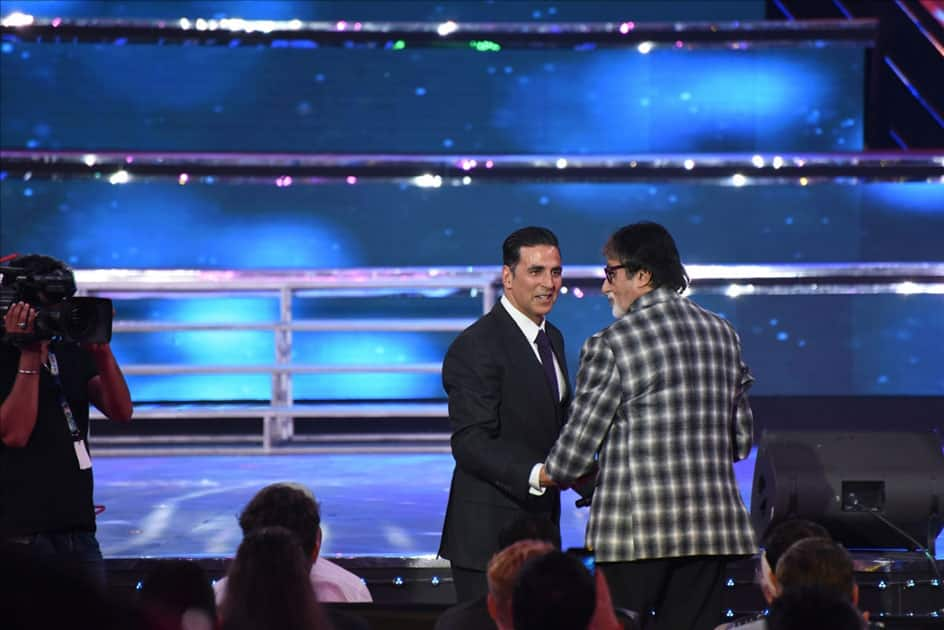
[545,480]
[19,322]
[19,319]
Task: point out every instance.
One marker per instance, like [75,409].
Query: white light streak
[119,177]
[17,19]
[428,180]
[447,28]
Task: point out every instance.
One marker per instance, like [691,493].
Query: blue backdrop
[142,97]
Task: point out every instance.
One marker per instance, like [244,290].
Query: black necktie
[547,361]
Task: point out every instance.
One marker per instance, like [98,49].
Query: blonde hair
[504,567]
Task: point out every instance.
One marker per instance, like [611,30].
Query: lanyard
[66,409]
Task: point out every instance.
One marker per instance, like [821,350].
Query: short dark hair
[530,527]
[525,237]
[817,562]
[649,246]
[779,537]
[287,505]
[554,592]
[813,608]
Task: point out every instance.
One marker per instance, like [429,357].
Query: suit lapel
[522,355]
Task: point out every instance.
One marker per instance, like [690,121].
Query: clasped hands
[547,481]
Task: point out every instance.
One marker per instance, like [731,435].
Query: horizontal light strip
[434,171]
[324,410]
[397,36]
[346,325]
[191,282]
[284,368]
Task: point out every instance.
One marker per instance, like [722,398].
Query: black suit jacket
[504,420]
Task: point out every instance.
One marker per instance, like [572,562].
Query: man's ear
[507,275]
[768,581]
[492,607]
[317,549]
[643,278]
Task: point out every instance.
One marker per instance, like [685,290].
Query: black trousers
[470,584]
[685,593]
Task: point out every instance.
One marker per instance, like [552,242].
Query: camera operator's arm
[18,410]
[108,390]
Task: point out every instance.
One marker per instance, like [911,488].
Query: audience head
[177,594]
[813,608]
[776,540]
[554,592]
[530,527]
[268,585]
[502,575]
[288,505]
[818,562]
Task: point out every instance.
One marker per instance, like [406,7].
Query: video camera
[81,320]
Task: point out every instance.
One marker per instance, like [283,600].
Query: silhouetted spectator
[268,586]
[554,592]
[813,608]
[292,505]
[473,614]
[776,540]
[38,592]
[177,595]
[503,571]
[814,563]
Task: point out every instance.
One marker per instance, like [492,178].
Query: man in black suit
[506,378]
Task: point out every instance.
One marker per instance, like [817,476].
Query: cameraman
[45,388]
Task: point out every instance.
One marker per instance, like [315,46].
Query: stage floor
[372,504]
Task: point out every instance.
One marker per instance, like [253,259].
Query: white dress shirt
[330,582]
[530,331]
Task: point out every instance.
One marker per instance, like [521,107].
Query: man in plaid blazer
[661,407]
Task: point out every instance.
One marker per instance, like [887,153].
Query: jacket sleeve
[592,412]
[743,421]
[473,379]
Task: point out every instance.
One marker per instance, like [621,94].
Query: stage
[381,513]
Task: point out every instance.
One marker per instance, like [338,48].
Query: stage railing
[279,413]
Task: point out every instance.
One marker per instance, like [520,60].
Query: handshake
[583,485]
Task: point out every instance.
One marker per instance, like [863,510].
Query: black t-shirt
[41,486]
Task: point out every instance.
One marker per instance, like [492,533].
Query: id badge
[82,455]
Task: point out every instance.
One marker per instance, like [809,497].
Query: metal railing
[483,282]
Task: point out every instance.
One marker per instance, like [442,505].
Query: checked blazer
[661,396]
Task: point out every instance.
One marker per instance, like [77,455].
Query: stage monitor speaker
[846,481]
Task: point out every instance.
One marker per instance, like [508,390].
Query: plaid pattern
[661,397]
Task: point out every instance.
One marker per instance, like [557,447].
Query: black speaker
[847,481]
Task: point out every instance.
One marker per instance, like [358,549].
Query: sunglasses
[610,272]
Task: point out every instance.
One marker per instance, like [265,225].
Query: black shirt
[41,487]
